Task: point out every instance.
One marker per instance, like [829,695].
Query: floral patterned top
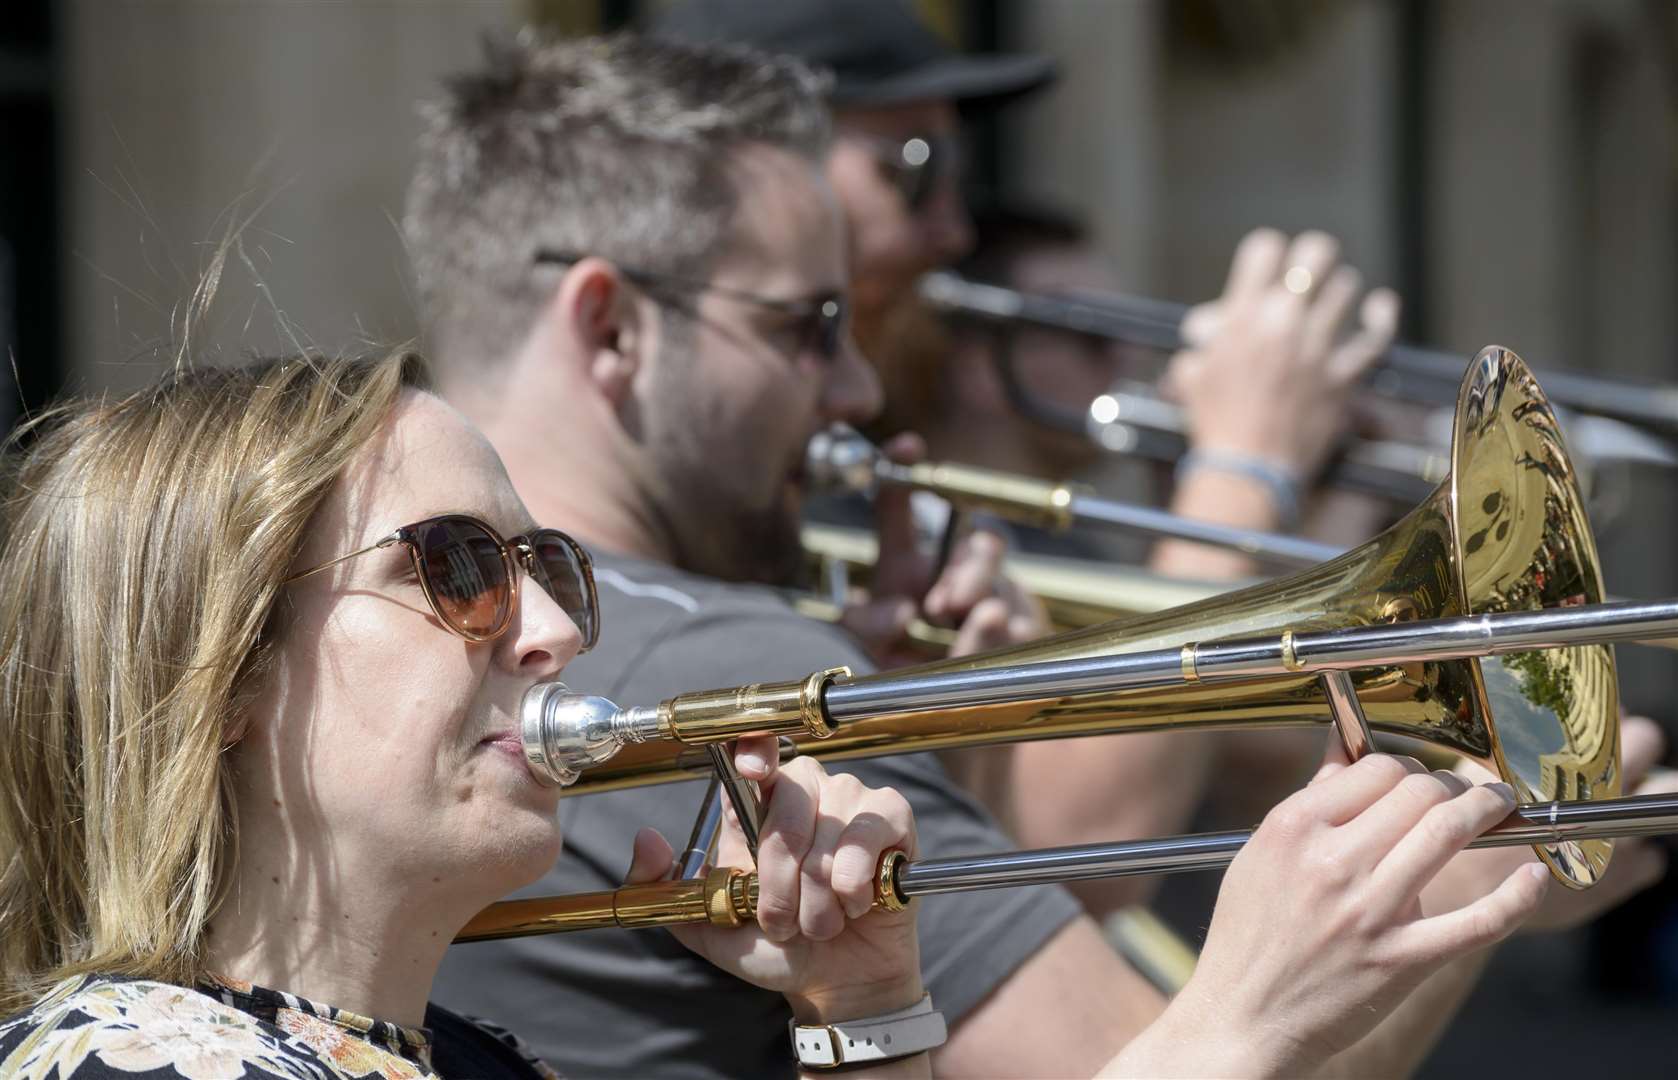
[136,1029]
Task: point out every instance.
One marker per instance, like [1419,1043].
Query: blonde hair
[144,546]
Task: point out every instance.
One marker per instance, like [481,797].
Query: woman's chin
[516,851]
[535,856]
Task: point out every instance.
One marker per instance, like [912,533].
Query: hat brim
[969,80]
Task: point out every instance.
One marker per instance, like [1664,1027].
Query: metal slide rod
[1158,324]
[728,897]
[1540,823]
[1271,547]
[1285,654]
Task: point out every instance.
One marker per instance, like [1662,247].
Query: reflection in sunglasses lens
[467,575]
[562,577]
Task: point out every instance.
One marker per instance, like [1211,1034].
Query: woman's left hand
[819,939]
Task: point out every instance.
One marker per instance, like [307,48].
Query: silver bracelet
[1281,483]
[891,1035]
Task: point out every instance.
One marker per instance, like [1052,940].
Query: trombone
[728,897]
[840,459]
[1075,592]
[1570,836]
[1485,601]
[1622,421]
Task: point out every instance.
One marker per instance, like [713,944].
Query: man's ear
[603,322]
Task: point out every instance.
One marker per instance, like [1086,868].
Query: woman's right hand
[819,939]
[1319,932]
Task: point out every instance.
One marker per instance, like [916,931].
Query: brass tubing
[841,459]
[1505,536]
[723,897]
[729,897]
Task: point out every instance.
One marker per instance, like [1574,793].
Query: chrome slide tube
[1285,654]
[1636,815]
[1428,375]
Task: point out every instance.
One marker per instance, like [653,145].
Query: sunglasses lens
[559,569]
[830,329]
[467,575]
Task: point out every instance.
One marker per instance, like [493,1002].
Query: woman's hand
[1638,862]
[1319,931]
[818,940]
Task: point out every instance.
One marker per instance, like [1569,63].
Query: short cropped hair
[619,147]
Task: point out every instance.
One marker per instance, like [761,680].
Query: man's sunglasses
[470,576]
[916,165]
[826,319]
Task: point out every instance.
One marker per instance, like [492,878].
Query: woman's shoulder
[138,1029]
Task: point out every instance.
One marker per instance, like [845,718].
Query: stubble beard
[716,528]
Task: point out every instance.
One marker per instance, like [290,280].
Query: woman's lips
[508,742]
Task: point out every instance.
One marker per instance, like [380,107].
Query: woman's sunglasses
[470,576]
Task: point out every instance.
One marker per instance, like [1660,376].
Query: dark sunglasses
[916,165]
[825,320]
[470,576]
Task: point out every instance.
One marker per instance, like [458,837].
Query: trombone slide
[564,728]
[841,459]
[729,897]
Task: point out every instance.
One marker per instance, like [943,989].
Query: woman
[264,643]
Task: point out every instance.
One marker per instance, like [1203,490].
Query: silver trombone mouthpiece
[565,732]
[841,459]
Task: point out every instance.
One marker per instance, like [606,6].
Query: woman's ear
[234,731]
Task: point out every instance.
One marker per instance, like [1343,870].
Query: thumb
[651,859]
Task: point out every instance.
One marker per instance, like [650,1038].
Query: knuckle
[846,786]
[1289,821]
[893,806]
[1423,788]
[776,911]
[1385,768]
[803,769]
[1328,868]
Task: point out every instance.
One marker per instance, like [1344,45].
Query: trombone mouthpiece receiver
[565,732]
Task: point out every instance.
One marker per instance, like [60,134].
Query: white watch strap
[872,1038]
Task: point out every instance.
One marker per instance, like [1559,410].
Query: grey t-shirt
[636,1003]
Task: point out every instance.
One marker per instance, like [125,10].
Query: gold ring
[1298,279]
[886,892]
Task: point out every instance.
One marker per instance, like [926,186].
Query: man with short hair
[656,221]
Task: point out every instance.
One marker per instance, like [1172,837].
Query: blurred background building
[1510,166]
